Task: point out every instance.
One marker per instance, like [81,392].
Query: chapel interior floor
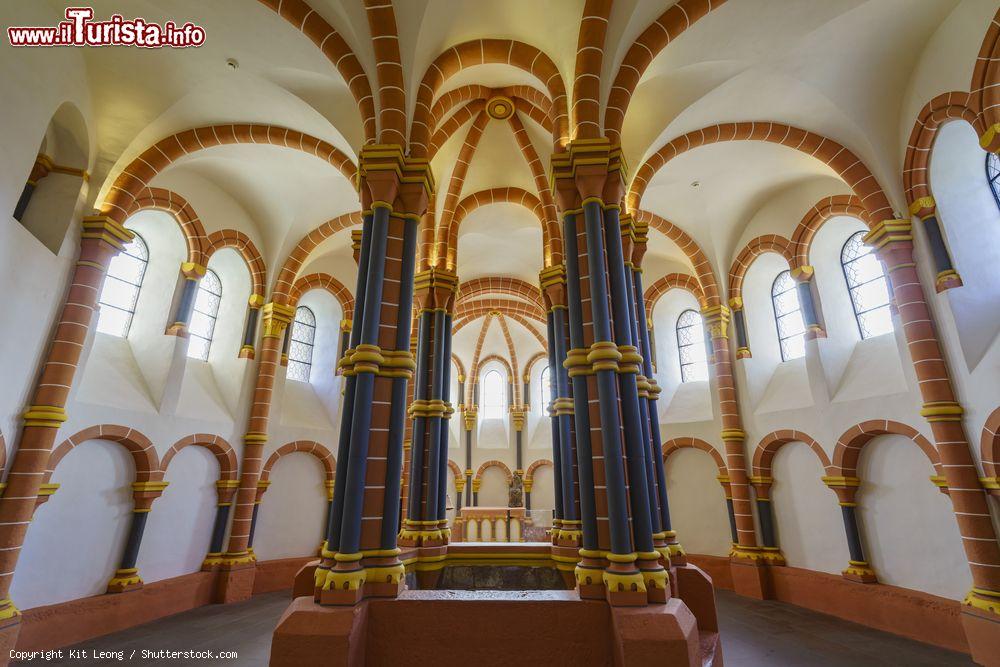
[754,634]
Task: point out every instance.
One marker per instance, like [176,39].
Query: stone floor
[754,634]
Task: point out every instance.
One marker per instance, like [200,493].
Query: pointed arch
[848,166]
[220,449]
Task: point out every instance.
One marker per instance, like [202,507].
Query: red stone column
[746,557]
[893,241]
[237,566]
[101,239]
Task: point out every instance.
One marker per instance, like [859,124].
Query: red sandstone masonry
[587,79]
[324,281]
[847,165]
[336,50]
[815,217]
[552,237]
[318,451]
[770,444]
[479,52]
[755,248]
[222,450]
[650,43]
[671,281]
[129,185]
[391,89]
[699,261]
[31,458]
[285,282]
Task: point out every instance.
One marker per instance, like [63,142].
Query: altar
[489,524]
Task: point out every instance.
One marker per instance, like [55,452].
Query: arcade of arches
[656,297]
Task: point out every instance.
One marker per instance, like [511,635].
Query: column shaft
[101,239]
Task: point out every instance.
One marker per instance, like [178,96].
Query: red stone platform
[486,628]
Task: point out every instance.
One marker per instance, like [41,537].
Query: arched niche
[909,526]
[292,510]
[91,511]
[697,503]
[179,527]
[56,183]
[809,525]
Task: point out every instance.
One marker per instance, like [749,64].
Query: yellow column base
[125,579]
[984,600]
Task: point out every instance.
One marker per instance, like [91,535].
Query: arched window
[788,317]
[691,347]
[494,395]
[545,381]
[206,312]
[867,286]
[121,288]
[300,348]
[993,175]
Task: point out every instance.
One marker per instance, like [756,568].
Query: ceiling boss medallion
[500,107]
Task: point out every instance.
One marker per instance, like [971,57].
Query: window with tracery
[691,347]
[300,346]
[205,314]
[121,288]
[788,317]
[867,286]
